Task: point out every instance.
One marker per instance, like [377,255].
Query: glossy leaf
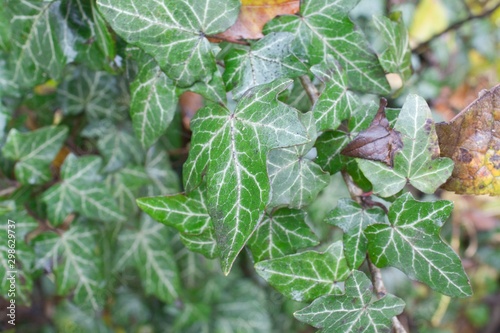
[81,190]
[268,59]
[295,179]
[418,162]
[472,140]
[354,311]
[307,275]
[353,220]
[281,233]
[229,148]
[33,152]
[412,244]
[323,28]
[177,42]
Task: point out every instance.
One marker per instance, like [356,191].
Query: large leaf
[173,32]
[353,219]
[306,275]
[34,151]
[36,46]
[323,28]
[412,244]
[81,190]
[281,233]
[354,311]
[266,60]
[418,162]
[148,249]
[78,268]
[295,179]
[229,148]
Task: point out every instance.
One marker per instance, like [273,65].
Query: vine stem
[310,88]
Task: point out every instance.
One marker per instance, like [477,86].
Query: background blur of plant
[450,69]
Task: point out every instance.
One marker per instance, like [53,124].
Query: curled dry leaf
[254,14]
[378,142]
[472,140]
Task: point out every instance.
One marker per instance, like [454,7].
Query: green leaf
[281,233]
[229,148]
[353,219]
[81,190]
[412,244]
[336,102]
[125,185]
[323,28]
[418,162]
[148,250]
[164,179]
[70,318]
[266,60]
[74,258]
[397,56]
[354,311]
[307,275]
[34,151]
[153,103]
[295,179]
[37,53]
[177,42]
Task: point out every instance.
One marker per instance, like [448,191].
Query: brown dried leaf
[378,142]
[472,140]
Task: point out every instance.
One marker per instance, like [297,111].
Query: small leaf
[306,275]
[34,151]
[268,59]
[125,185]
[353,219]
[354,311]
[281,233]
[412,244]
[472,140]
[177,42]
[229,149]
[418,161]
[159,170]
[378,142]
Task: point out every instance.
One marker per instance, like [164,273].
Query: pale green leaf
[33,152]
[281,233]
[159,170]
[412,244]
[353,219]
[266,60]
[418,162]
[307,275]
[125,185]
[323,28]
[173,32]
[229,148]
[354,311]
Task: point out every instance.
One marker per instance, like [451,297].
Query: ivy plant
[132,214]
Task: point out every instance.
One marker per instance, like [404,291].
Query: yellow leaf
[430,18]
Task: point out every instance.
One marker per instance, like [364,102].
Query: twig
[310,88]
[422,47]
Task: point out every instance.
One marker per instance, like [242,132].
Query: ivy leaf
[323,28]
[148,250]
[418,161]
[34,151]
[159,170]
[307,275]
[230,148]
[81,190]
[177,42]
[281,233]
[153,103]
[412,244]
[295,179]
[353,219]
[125,185]
[354,311]
[266,60]
[336,102]
[73,256]
[36,48]
[396,58]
